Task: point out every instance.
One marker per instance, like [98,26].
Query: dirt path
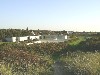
[60,69]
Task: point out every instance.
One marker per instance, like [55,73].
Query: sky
[69,15]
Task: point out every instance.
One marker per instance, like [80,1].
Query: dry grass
[83,63]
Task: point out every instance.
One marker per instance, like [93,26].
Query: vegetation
[31,60]
[76,40]
[82,63]
[79,56]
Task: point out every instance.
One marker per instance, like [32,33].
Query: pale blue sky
[77,15]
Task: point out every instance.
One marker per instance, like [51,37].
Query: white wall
[53,38]
[13,39]
[48,38]
[34,37]
[22,38]
[66,37]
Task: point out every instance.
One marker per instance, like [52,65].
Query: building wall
[53,38]
[42,38]
[8,39]
[12,39]
[66,37]
[48,37]
[27,38]
[22,38]
[34,37]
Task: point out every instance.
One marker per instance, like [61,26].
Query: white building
[34,37]
[41,38]
[53,38]
[12,39]
[24,38]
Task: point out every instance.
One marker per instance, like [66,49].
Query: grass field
[77,41]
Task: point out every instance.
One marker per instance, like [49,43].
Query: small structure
[39,38]
[23,38]
[53,38]
[34,37]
